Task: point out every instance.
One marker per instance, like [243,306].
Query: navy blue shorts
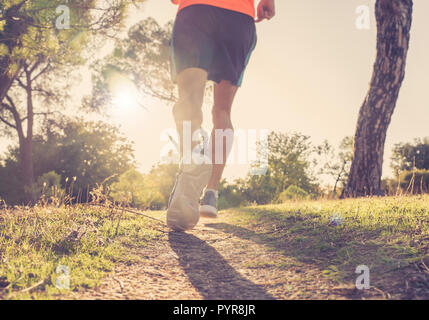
[217,40]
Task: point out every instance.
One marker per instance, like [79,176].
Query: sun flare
[125,97]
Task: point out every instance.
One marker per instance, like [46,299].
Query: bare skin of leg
[224,93]
[191,84]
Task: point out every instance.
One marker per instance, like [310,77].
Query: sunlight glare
[125,96]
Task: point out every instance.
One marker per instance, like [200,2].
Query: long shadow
[308,247]
[209,272]
[313,246]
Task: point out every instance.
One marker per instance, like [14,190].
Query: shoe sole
[207,211]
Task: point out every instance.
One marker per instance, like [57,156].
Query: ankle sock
[214,191]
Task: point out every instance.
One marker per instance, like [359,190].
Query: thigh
[224,94]
[191,83]
[193,43]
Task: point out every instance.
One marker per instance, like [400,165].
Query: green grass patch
[88,241]
[386,234]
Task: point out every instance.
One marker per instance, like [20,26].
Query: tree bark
[26,150]
[26,165]
[393,34]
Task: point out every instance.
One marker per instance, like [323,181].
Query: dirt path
[209,263]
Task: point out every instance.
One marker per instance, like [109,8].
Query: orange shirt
[243,6]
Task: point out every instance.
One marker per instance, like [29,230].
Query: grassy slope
[389,235]
[88,240]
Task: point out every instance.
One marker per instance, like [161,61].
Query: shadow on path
[322,250]
[210,273]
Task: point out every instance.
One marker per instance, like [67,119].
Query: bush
[293,193]
[139,191]
[389,186]
[418,184]
[128,189]
[48,185]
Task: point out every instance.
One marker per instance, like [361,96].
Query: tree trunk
[27,149]
[27,171]
[5,79]
[393,34]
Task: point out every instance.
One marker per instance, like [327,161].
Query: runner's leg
[191,84]
[224,93]
[183,213]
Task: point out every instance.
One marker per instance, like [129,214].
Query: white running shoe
[182,212]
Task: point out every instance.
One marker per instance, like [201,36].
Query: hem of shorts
[233,81]
[174,76]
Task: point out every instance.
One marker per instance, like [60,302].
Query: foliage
[293,193]
[230,195]
[37,55]
[89,151]
[29,29]
[48,185]
[414,182]
[128,188]
[11,187]
[406,156]
[29,32]
[162,178]
[148,191]
[288,164]
[337,165]
[143,59]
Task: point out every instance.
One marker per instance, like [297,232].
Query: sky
[309,73]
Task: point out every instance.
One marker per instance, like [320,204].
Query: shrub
[415,182]
[128,189]
[48,185]
[230,195]
[293,193]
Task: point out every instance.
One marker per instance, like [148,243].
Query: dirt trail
[209,263]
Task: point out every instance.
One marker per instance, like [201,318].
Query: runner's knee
[187,110]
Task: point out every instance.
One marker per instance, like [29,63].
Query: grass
[87,240]
[390,235]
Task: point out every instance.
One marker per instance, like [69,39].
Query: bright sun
[125,97]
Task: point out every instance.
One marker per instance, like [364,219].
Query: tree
[337,165]
[288,164]
[87,152]
[28,28]
[414,181]
[142,60]
[128,189]
[293,193]
[393,34]
[409,156]
[19,114]
[160,179]
[148,191]
[34,49]
[230,194]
